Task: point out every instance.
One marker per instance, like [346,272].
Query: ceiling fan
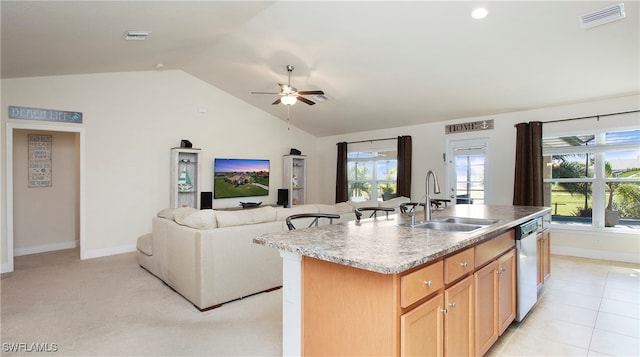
[290,95]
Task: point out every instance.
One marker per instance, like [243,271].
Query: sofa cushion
[203,219]
[395,202]
[283,213]
[145,244]
[369,203]
[180,213]
[245,216]
[327,208]
[343,207]
[167,213]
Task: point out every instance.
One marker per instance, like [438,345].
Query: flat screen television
[240,178]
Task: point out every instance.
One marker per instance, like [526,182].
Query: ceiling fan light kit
[290,95]
[289,100]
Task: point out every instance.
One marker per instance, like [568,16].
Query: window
[372,174]
[594,179]
[467,181]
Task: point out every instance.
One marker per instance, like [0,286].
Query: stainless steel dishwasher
[526,268]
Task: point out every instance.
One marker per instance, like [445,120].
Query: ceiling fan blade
[264,93]
[311,92]
[276,102]
[305,100]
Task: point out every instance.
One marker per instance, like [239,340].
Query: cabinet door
[421,331]
[459,319]
[540,259]
[507,290]
[486,305]
[546,256]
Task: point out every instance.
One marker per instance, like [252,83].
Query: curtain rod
[370,140]
[591,116]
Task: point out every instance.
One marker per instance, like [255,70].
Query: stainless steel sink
[444,226]
[449,227]
[454,224]
[466,220]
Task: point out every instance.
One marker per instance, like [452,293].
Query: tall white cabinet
[185,182]
[295,178]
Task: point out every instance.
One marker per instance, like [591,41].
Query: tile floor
[587,308]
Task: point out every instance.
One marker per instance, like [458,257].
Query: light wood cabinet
[459,319]
[185,183]
[449,307]
[486,304]
[507,290]
[295,179]
[421,329]
[544,257]
[420,284]
[458,265]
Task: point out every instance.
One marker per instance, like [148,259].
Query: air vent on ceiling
[319,98]
[136,35]
[602,16]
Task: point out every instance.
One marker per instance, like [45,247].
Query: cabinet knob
[452,304]
[464,265]
[428,283]
[444,311]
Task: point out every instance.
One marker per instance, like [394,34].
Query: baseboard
[45,248]
[596,254]
[5,268]
[97,253]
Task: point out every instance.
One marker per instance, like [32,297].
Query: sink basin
[454,224]
[445,226]
[466,220]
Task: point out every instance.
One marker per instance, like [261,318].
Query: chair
[314,218]
[436,203]
[410,206]
[464,200]
[375,210]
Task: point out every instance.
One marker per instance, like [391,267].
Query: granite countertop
[381,245]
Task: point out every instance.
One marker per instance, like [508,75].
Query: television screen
[240,178]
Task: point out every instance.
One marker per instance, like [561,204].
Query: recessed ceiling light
[479,13]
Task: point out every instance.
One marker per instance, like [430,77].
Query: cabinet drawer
[420,283]
[491,249]
[458,265]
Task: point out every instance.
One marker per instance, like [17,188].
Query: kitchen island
[354,288]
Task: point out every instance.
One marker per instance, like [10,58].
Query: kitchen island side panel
[348,311]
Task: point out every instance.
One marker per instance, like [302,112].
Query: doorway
[45,204]
[467,166]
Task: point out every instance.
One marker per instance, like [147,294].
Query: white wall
[130,121]
[429,142]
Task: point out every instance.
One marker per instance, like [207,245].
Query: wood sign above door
[470,126]
[44,114]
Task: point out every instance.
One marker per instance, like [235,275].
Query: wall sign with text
[470,126]
[39,160]
[44,114]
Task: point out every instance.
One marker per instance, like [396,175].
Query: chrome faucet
[427,200]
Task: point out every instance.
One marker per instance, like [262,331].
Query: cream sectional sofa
[208,256]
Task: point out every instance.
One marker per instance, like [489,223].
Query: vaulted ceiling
[381,64]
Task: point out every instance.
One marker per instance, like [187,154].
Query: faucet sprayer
[427,201]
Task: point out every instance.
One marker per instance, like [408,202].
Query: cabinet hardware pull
[444,311]
[428,283]
[464,265]
[452,304]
